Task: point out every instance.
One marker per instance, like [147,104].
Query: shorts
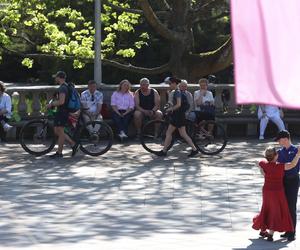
[61,118]
[177,119]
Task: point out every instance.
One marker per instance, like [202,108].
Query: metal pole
[97,60]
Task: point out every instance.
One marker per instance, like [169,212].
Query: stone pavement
[128,199]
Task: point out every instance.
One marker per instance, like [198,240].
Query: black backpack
[185,105]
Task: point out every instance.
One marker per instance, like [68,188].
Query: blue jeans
[122,123]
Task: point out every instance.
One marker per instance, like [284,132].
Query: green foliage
[65,28]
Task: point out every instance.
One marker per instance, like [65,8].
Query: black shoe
[56,155]
[193,153]
[161,153]
[74,149]
[263,234]
[291,237]
[270,237]
[285,235]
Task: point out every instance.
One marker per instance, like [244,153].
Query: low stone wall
[29,102]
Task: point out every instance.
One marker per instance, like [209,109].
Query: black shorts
[177,119]
[201,115]
[3,118]
[61,118]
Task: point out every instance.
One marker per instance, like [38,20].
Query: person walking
[178,121]
[290,179]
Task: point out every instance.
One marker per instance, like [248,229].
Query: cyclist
[62,115]
[177,119]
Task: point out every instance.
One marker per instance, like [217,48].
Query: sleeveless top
[147,102]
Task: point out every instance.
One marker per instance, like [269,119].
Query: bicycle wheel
[153,136]
[95,138]
[37,137]
[209,144]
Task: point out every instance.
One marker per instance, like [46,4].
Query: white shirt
[88,101]
[5,103]
[207,98]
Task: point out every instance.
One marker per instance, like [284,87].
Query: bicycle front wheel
[37,137]
[209,137]
[153,136]
[95,138]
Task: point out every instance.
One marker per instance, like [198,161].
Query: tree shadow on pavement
[126,192]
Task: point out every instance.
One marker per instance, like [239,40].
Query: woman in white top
[5,108]
[204,103]
[266,113]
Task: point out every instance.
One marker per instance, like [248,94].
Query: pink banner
[266,42]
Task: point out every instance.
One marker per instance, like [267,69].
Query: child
[274,214]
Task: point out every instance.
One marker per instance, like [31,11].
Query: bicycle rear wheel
[153,136]
[37,137]
[95,138]
[209,144]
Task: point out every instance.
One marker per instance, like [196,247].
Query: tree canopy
[186,38]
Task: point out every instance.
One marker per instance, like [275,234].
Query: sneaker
[291,237]
[56,156]
[161,153]
[122,134]
[74,150]
[7,127]
[193,153]
[261,137]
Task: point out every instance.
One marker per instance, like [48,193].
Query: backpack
[185,105]
[73,101]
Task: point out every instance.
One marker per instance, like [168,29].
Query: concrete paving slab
[130,199]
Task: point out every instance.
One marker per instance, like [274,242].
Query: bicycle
[93,138]
[154,133]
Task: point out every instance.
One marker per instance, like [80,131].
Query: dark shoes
[193,153]
[74,149]
[289,236]
[161,153]
[265,234]
[285,235]
[56,156]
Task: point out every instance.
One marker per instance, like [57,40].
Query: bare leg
[61,138]
[185,136]
[138,120]
[168,139]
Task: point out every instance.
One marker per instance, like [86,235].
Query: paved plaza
[129,199]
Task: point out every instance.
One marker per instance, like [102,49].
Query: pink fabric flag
[266,42]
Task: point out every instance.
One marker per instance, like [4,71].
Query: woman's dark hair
[174,79]
[2,88]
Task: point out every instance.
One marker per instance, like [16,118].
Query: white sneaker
[7,127]
[261,137]
[122,134]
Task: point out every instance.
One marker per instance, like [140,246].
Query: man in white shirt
[93,100]
[5,108]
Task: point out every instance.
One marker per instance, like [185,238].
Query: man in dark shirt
[291,177]
[61,117]
[147,103]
